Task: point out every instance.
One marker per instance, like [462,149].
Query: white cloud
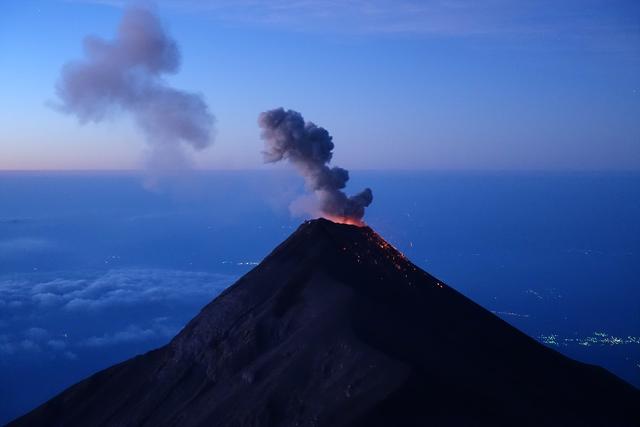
[130,287]
[30,341]
[47,299]
[130,334]
[83,312]
[111,289]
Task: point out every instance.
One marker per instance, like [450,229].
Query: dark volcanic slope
[336,328]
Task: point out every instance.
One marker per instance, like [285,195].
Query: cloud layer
[62,315]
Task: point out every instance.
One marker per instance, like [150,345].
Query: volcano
[337,328]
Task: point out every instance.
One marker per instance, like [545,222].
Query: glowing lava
[344,220]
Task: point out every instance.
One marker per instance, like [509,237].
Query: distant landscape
[105,270]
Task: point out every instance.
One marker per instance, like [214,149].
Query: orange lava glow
[344,220]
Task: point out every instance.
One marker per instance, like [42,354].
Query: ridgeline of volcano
[337,328]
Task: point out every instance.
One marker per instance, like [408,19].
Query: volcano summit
[337,328]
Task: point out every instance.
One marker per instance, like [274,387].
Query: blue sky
[444,84]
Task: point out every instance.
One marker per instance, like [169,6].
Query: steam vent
[337,328]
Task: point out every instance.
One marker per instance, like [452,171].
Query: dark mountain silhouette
[336,328]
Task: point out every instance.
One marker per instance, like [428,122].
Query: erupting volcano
[310,149]
[337,328]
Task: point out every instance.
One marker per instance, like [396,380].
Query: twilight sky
[400,84]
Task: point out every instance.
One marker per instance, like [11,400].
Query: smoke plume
[125,74]
[309,148]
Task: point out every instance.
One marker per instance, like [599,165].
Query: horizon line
[438,170]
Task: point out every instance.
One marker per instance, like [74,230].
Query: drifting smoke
[124,74]
[309,148]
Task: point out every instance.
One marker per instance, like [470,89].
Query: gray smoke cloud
[310,149]
[125,74]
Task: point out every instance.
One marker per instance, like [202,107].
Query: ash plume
[125,75]
[310,148]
